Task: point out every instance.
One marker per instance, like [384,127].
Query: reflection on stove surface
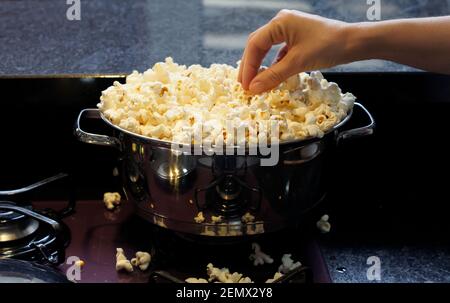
[97,232]
[181,256]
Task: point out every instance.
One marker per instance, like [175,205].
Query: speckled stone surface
[115,37]
[410,263]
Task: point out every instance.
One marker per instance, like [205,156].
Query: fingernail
[256,87]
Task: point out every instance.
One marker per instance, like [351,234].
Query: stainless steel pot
[170,188]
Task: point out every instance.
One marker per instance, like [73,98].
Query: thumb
[274,75]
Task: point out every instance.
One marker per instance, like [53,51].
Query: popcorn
[259,257]
[323,225]
[287,264]
[122,263]
[142,260]
[199,218]
[223,275]
[171,102]
[130,124]
[111,200]
[80,263]
[216,219]
[196,280]
[276,276]
[220,275]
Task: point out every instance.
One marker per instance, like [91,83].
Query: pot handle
[360,131]
[93,113]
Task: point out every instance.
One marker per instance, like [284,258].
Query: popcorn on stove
[111,200]
[171,102]
[223,275]
[142,260]
[287,264]
[80,263]
[276,276]
[196,280]
[323,225]
[259,257]
[122,263]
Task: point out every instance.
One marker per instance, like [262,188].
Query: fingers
[257,47]
[241,65]
[275,74]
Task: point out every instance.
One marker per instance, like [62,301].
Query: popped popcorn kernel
[173,102]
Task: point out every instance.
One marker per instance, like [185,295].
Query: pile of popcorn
[190,104]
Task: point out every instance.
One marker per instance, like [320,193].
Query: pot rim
[169,144]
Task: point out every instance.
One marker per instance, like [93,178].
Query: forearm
[423,43]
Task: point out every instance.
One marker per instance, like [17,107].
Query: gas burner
[33,235]
[45,244]
[228,195]
[15,226]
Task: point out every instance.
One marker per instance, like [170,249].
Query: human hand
[311,42]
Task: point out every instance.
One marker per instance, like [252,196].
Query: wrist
[361,41]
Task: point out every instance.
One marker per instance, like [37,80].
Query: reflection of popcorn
[199,218]
[208,231]
[216,219]
[247,218]
[173,102]
[255,228]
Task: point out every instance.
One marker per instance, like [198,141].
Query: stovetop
[340,256]
[388,198]
[97,232]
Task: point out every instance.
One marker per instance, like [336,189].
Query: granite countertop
[116,37]
[399,263]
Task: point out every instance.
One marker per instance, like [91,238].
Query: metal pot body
[236,194]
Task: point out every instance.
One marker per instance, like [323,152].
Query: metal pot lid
[18,271]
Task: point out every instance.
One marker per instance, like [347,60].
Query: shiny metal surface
[32,186]
[39,218]
[17,227]
[360,131]
[18,271]
[170,189]
[90,137]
